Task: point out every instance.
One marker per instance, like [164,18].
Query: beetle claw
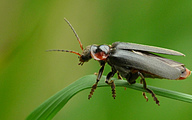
[156,100]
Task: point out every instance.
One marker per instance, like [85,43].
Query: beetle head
[85,56]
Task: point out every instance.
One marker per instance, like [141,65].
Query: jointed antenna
[66,51]
[81,45]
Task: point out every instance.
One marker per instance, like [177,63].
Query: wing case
[153,64]
[139,47]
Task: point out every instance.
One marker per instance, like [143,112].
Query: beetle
[130,61]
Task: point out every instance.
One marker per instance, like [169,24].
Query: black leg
[98,79]
[147,89]
[110,75]
[119,76]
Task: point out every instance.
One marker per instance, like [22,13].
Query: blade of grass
[53,105]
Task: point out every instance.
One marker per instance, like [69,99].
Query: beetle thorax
[100,52]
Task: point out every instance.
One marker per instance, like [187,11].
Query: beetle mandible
[130,61]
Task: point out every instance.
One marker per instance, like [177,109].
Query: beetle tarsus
[113,89]
[153,95]
[145,96]
[97,80]
[143,93]
[109,75]
[147,89]
[92,90]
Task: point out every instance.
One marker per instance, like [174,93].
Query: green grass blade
[53,105]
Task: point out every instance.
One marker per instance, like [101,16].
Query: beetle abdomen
[149,63]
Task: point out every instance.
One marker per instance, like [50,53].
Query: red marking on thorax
[100,56]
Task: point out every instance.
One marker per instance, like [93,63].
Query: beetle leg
[98,79]
[109,75]
[145,96]
[147,89]
[143,93]
[119,76]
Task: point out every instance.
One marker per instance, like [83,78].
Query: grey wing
[156,65]
[139,47]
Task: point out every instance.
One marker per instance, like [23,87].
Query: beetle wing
[139,47]
[153,64]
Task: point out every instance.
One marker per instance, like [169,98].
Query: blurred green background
[29,75]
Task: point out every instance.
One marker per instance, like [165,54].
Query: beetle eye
[94,49]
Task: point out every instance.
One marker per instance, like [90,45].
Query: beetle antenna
[66,51]
[81,45]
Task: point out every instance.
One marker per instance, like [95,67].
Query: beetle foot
[156,100]
[145,96]
[154,96]
[92,90]
[113,89]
